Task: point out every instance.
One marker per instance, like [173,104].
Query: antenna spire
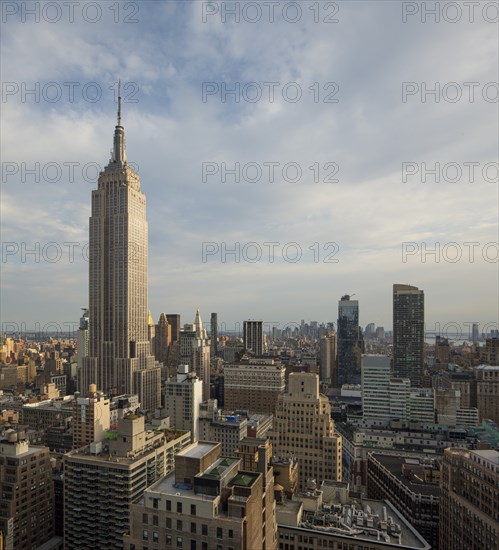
[119,102]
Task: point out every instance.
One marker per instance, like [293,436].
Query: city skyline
[382,211]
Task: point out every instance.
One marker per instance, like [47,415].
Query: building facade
[408,333]
[254,384]
[303,429]
[253,337]
[349,342]
[469,500]
[119,358]
[207,503]
[26,494]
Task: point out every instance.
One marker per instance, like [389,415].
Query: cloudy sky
[352,124]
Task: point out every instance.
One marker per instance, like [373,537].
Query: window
[155,503]
[219,532]
[179,542]
[155,520]
[169,505]
[168,539]
[204,530]
[144,519]
[193,527]
[204,546]
[179,507]
[179,525]
[231,534]
[168,523]
[193,509]
[145,535]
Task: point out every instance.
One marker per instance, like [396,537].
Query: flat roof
[488,454]
[197,450]
[394,465]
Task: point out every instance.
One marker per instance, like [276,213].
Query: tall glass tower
[408,333]
[119,358]
[349,342]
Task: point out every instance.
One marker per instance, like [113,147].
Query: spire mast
[119,102]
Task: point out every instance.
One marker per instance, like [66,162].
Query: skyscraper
[408,333]
[253,337]
[349,342]
[328,372]
[163,339]
[119,358]
[214,335]
[303,428]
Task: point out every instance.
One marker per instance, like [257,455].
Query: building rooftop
[197,450]
[394,465]
[368,520]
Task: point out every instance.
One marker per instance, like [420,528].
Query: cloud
[369,213]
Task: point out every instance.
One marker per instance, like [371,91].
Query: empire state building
[119,360]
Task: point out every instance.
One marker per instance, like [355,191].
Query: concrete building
[119,358]
[207,503]
[226,429]
[195,352]
[469,500]
[487,392]
[328,372]
[26,494]
[91,418]
[102,480]
[384,397]
[408,333]
[411,485]
[182,399]
[303,429]
[213,335]
[489,354]
[254,384]
[163,339]
[253,337]
[329,518]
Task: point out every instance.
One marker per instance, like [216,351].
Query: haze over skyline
[171,132]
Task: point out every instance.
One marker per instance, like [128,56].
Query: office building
[163,339]
[174,321]
[207,503]
[195,352]
[408,333]
[384,397]
[102,480]
[328,372]
[183,395]
[214,335]
[254,384]
[328,517]
[119,359]
[91,418]
[349,342]
[227,429]
[303,428]
[253,337]
[26,495]
[411,485]
[487,392]
[469,500]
